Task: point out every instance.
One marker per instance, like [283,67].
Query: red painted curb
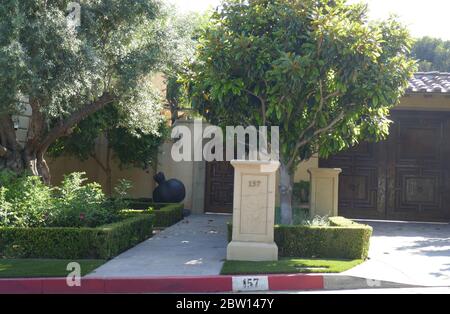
[296,282]
[21,286]
[59,286]
[152,284]
[169,284]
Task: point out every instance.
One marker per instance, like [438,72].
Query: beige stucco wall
[142,180]
[159,83]
[302,171]
[191,173]
[430,102]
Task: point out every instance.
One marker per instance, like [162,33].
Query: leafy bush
[7,215]
[301,192]
[121,194]
[24,201]
[80,205]
[342,239]
[103,242]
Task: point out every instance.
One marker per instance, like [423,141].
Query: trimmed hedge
[343,239]
[103,242]
[167,214]
[164,215]
[140,203]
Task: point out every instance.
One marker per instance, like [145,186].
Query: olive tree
[316,68]
[67,71]
[128,145]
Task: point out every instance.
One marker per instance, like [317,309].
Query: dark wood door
[403,178]
[418,183]
[361,192]
[219,187]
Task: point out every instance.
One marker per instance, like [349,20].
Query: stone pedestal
[324,192]
[254,211]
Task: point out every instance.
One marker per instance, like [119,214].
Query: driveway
[195,246]
[410,253]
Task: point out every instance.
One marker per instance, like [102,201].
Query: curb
[204,284]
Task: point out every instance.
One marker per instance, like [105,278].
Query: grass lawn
[288,266]
[31,268]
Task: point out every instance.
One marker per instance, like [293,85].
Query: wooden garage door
[403,178]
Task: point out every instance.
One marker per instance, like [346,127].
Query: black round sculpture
[168,191]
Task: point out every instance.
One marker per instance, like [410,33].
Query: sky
[423,17]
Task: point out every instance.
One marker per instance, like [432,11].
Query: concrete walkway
[195,246]
[409,253]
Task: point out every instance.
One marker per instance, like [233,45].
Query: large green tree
[315,68]
[126,143]
[185,28]
[433,54]
[68,72]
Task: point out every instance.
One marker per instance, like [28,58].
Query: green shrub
[81,205]
[299,215]
[140,203]
[24,201]
[27,202]
[301,192]
[343,239]
[167,214]
[7,216]
[123,235]
[121,193]
[75,243]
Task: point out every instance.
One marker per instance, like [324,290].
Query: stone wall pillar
[254,211]
[324,192]
[191,173]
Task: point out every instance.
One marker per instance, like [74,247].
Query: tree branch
[314,121]
[94,156]
[303,142]
[35,127]
[75,118]
[263,104]
[335,94]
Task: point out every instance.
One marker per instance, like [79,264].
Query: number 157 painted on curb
[254,283]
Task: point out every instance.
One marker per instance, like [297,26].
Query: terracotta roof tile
[430,82]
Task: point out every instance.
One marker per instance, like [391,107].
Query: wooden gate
[219,187]
[406,177]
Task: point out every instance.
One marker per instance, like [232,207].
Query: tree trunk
[286,183]
[14,157]
[105,167]
[10,151]
[18,159]
[35,163]
[108,171]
